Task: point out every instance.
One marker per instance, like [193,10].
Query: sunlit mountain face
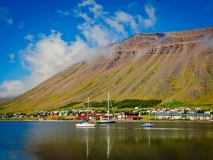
[166,66]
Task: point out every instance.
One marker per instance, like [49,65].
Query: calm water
[125,141]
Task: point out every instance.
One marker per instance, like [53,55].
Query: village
[177,113]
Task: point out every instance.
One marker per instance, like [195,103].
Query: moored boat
[147,125]
[85,123]
[107,120]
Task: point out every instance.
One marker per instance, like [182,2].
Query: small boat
[85,123]
[107,120]
[147,125]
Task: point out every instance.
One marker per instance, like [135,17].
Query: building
[189,116]
[166,115]
[197,116]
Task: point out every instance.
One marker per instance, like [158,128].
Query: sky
[39,38]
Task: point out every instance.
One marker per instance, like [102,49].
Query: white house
[190,116]
[197,116]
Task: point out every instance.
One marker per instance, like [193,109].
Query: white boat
[147,125]
[85,123]
[107,120]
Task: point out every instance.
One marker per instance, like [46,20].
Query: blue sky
[39,38]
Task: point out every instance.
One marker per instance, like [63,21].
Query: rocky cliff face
[164,42]
[167,66]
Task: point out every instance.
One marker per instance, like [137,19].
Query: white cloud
[45,58]
[86,18]
[64,13]
[97,35]
[9,20]
[118,27]
[50,54]
[93,7]
[45,55]
[132,4]
[110,27]
[151,21]
[206,42]
[29,37]
[120,21]
[97,10]
[12,57]
[5,15]
[86,3]
[11,88]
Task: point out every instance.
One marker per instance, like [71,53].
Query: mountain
[167,66]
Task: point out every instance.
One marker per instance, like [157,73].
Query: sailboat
[147,125]
[85,123]
[107,120]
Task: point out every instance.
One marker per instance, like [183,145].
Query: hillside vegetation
[176,66]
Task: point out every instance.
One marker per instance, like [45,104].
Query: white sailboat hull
[85,124]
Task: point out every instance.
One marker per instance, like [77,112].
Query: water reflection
[87,139]
[87,144]
[55,140]
[109,146]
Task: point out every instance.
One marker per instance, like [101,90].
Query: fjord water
[125,141]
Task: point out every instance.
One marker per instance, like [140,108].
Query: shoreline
[118,121]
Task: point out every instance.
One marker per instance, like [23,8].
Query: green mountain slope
[166,66]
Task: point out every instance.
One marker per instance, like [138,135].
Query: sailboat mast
[149,116]
[108,105]
[87,108]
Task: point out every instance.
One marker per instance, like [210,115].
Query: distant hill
[167,66]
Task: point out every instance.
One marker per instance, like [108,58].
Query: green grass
[185,104]
[147,117]
[177,104]
[69,105]
[4,107]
